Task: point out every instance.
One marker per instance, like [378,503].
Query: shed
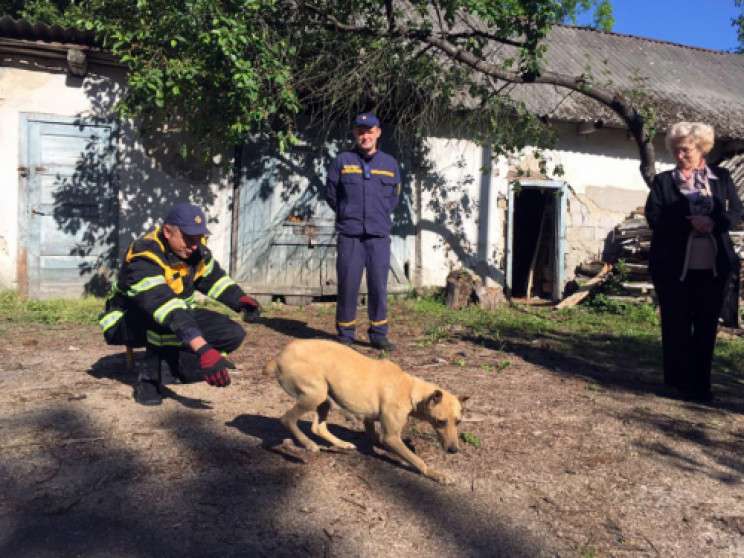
[80,183]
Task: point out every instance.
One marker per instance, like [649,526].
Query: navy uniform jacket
[161,286]
[363,205]
[667,210]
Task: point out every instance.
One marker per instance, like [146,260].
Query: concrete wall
[464,210]
[459,224]
[151,176]
[460,216]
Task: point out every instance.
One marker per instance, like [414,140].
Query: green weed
[593,390]
[51,311]
[470,438]
[503,365]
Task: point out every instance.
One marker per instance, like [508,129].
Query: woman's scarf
[696,188]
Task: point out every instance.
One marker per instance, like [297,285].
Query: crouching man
[152,304]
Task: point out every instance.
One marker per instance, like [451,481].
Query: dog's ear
[436,397]
[463,398]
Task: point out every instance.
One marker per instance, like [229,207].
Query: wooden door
[286,237]
[69,206]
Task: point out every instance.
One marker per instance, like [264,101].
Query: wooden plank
[585,289]
[538,245]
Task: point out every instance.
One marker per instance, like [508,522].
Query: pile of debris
[629,267]
[632,241]
[465,288]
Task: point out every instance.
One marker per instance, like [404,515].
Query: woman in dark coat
[690,210]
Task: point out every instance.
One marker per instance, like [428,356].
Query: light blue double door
[68,206]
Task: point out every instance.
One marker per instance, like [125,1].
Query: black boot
[148,390]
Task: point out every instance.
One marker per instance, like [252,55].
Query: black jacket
[667,210]
[161,287]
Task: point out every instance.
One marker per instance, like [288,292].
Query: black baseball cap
[189,218]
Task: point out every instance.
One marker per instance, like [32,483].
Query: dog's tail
[271,368]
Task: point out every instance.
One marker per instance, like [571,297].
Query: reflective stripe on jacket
[161,285]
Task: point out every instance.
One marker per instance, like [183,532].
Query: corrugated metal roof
[24,30]
[687,83]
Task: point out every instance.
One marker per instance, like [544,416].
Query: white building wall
[605,185]
[462,208]
[32,88]
[457,226]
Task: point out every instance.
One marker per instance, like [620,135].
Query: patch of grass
[436,334]
[503,365]
[609,332]
[470,438]
[588,550]
[729,357]
[51,311]
[593,389]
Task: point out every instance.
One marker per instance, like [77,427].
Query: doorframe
[560,190]
[24,120]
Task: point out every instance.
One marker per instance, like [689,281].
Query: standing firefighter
[363,189]
[152,304]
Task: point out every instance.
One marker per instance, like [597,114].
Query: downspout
[237,176]
[417,197]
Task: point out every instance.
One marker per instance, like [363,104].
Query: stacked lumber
[632,244]
[633,240]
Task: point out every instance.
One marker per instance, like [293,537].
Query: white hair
[702,135]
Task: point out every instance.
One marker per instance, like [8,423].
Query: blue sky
[700,23]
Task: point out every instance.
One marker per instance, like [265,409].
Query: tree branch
[605,96]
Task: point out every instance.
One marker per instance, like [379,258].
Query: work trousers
[689,321]
[221,332]
[355,255]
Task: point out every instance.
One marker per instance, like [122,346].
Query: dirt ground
[568,458]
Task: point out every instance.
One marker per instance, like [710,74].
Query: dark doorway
[533,243]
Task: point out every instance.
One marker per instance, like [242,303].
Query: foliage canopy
[225,70]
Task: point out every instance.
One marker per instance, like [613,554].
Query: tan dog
[316,372]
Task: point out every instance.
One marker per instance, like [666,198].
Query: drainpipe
[418,268]
[237,176]
[486,218]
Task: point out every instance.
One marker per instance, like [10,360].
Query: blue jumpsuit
[363,191]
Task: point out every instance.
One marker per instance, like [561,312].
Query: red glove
[250,308]
[214,366]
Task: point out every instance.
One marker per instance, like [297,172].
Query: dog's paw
[346,446]
[441,478]
[312,446]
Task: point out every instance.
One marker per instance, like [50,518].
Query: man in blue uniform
[152,303]
[363,187]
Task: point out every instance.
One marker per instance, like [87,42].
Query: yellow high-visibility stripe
[346,324]
[386,173]
[165,340]
[150,255]
[351,171]
[173,304]
[204,269]
[114,290]
[378,323]
[110,319]
[146,284]
[219,287]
